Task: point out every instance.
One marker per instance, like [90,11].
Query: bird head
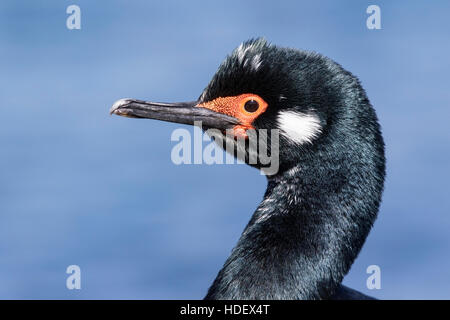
[300,97]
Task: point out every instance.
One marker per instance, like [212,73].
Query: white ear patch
[299,127]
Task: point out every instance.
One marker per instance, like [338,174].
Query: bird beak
[180,112]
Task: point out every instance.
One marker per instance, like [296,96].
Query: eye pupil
[251,106]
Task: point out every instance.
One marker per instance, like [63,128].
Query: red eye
[251,106]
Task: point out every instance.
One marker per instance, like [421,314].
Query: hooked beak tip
[115,109]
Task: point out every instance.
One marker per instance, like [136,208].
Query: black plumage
[326,195]
[321,204]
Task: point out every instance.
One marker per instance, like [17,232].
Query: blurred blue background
[78,186]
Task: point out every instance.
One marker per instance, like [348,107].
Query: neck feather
[305,234]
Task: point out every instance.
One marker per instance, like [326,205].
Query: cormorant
[321,203]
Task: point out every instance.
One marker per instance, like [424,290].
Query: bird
[321,202]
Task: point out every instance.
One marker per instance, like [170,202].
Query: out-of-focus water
[78,186]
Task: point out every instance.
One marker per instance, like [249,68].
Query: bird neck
[304,235]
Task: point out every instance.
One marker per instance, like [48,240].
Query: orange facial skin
[234,106]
